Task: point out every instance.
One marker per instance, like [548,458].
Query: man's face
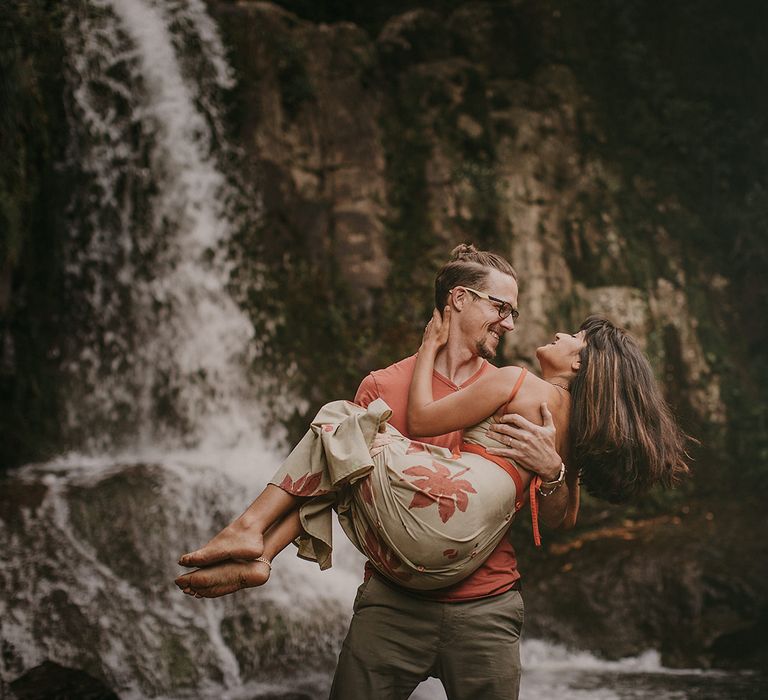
[481,325]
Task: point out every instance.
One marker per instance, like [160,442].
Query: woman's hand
[436,332]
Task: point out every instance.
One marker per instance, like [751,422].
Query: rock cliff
[375,154]
[376,151]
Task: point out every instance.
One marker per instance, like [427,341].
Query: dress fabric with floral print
[425,517]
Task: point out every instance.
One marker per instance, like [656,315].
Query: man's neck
[457,364]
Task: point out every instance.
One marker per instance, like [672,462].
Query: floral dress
[424,516]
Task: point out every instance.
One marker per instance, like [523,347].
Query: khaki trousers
[397,640]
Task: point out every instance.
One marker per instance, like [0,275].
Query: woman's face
[563,353]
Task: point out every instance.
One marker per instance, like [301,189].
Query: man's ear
[457,297]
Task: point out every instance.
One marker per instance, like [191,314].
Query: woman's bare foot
[236,541]
[222,579]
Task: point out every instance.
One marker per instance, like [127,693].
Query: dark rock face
[55,682]
[690,585]
[376,153]
[34,188]
[309,120]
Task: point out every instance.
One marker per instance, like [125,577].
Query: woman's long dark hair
[623,437]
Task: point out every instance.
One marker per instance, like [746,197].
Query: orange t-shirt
[499,572]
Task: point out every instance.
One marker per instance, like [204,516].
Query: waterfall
[161,348]
[161,410]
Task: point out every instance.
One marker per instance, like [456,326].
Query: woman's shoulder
[512,372]
[533,389]
[513,379]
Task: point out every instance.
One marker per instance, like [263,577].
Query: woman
[426,517]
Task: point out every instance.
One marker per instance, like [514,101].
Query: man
[467,635]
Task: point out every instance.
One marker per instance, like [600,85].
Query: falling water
[160,404]
[161,347]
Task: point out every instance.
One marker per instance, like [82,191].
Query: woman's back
[527,393]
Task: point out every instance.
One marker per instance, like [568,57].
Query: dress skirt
[425,517]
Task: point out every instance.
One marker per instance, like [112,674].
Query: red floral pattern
[366,491]
[382,557]
[439,486]
[451,553]
[414,447]
[303,486]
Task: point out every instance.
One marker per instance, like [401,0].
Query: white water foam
[553,671]
[163,261]
[149,259]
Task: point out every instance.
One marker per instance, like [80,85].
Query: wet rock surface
[86,589]
[689,584]
[54,682]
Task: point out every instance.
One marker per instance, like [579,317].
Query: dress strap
[534,501]
[518,384]
[520,494]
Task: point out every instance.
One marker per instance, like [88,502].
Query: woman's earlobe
[576,365]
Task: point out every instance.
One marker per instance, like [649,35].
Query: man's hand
[529,445]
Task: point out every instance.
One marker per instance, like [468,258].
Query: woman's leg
[230,576]
[244,537]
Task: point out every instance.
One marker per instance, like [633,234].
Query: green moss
[411,241]
[182,670]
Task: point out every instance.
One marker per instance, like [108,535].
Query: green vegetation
[677,93]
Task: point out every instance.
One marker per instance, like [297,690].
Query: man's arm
[533,448]
[553,509]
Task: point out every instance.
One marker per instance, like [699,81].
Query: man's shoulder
[380,383]
[395,370]
[400,373]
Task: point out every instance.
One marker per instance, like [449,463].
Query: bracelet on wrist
[547,488]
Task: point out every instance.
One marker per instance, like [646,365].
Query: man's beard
[484,351]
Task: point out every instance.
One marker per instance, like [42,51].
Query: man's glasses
[504,308]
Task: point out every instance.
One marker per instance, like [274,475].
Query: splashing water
[162,350]
[160,403]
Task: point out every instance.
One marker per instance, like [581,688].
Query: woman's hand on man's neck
[457,364]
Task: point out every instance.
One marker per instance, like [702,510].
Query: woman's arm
[427,417]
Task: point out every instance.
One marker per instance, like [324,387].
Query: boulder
[54,682]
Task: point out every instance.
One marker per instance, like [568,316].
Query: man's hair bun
[466,252]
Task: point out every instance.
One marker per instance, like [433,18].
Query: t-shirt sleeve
[367,392]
